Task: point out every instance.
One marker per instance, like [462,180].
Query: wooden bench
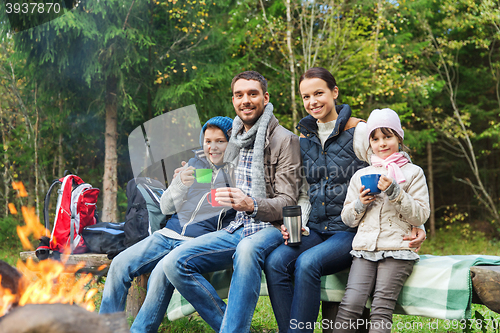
[485,282]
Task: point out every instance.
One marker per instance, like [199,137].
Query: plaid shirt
[244,183]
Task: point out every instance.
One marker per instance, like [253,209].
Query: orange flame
[12,208]
[52,282]
[21,190]
[33,226]
[6,298]
[47,281]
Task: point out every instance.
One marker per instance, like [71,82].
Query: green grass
[460,240]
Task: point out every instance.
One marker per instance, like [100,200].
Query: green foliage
[458,239]
[10,244]
[8,233]
[168,54]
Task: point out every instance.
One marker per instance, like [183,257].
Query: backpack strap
[43,250]
[352,122]
[46,203]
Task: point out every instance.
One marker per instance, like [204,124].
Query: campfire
[48,296]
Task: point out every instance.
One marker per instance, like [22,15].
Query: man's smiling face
[249,101]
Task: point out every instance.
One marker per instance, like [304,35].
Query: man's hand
[235,198]
[416,239]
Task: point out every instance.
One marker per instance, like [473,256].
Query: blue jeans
[139,259]
[216,251]
[318,255]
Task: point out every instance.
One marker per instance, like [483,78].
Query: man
[193,216]
[267,161]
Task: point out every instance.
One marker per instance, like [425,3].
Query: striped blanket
[439,287]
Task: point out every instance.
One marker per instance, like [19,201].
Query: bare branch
[475,188]
[270,66]
[450,152]
[128,14]
[273,35]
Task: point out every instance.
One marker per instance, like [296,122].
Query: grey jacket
[282,164]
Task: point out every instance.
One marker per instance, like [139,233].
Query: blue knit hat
[224,123]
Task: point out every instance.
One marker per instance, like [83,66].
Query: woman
[333,147]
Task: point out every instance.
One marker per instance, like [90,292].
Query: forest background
[74,88]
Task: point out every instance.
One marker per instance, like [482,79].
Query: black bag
[105,237]
[143,215]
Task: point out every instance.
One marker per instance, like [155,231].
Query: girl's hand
[187,176]
[384,182]
[364,197]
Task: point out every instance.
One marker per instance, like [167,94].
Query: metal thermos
[292,219]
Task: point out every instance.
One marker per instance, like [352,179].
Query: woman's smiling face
[318,99]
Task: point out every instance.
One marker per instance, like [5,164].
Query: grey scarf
[256,136]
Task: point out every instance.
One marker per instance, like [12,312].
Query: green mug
[203,175]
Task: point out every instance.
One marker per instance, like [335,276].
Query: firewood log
[61,318]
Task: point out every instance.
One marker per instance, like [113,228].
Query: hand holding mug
[187,176]
[384,182]
[284,233]
[179,169]
[365,197]
[235,198]
[211,198]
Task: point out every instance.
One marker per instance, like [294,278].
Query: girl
[382,260]
[333,147]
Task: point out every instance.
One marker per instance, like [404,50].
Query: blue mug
[371,182]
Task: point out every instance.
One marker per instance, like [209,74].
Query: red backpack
[76,205]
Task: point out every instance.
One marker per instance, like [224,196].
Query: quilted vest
[328,170]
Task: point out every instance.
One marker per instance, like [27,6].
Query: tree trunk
[109,184]
[37,206]
[5,147]
[375,52]
[430,181]
[60,159]
[60,171]
[291,61]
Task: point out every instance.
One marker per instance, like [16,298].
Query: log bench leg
[329,312]
[136,295]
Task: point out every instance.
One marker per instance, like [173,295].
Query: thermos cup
[292,219]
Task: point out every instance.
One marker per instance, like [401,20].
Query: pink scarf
[392,164]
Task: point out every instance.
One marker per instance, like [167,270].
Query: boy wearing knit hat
[192,216]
